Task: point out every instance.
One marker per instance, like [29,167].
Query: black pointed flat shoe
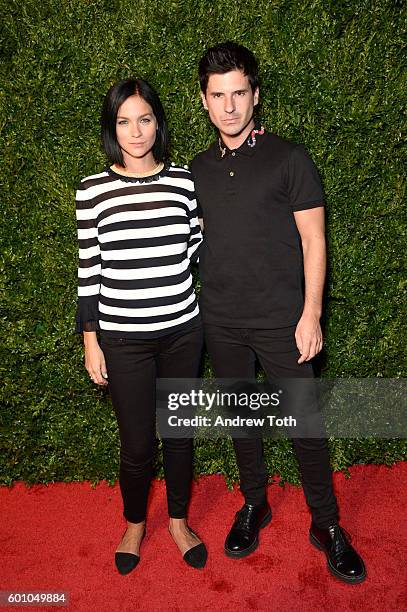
[126,562]
[196,556]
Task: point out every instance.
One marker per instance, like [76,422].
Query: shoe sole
[332,570]
[248,551]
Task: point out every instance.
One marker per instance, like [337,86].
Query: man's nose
[229,104]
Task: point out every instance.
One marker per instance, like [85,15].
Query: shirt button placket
[232,172]
[231,185]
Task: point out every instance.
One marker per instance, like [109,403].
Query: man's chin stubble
[240,131]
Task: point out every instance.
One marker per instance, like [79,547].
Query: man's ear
[256,96]
[203,98]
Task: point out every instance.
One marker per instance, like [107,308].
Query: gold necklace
[155,170]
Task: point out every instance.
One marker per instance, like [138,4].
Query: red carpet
[63,537]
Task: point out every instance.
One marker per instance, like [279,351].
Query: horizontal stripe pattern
[136,240]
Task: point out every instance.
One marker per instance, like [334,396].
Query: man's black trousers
[233,354]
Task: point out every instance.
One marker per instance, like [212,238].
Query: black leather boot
[243,538]
[343,560]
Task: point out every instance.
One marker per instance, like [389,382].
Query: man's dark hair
[114,98]
[225,57]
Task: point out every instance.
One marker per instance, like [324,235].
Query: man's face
[230,101]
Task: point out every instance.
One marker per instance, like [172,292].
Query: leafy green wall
[331,79]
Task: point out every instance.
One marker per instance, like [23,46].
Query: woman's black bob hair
[117,94]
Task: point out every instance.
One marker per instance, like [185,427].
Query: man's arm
[311,227]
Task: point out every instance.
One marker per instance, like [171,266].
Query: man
[263,213]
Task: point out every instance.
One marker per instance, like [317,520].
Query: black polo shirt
[251,264]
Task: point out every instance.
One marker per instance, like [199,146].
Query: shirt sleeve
[89,268]
[304,184]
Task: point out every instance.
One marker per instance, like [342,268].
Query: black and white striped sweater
[137,238]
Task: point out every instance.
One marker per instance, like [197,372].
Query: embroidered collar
[246,147]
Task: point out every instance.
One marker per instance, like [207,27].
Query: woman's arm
[89,272]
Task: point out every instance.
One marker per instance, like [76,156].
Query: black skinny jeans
[132,367]
[233,355]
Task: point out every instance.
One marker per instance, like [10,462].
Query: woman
[137,231]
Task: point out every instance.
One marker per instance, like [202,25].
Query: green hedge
[331,79]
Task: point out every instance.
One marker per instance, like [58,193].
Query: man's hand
[94,359]
[308,336]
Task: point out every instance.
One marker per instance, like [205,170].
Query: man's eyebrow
[216,93]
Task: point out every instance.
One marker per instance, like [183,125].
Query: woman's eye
[122,122]
[146,120]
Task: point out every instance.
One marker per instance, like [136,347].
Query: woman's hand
[94,359]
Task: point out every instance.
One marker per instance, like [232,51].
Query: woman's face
[136,128]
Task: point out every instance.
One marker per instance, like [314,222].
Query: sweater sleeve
[89,268]
[195,237]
